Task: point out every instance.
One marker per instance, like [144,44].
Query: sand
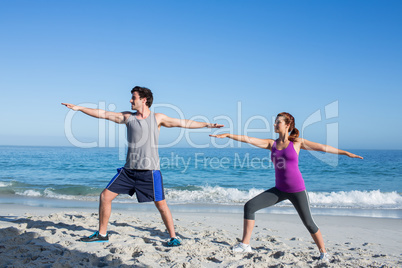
[48,237]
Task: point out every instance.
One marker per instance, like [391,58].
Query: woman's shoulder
[298,139]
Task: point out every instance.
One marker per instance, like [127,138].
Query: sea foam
[352,199]
[4,184]
[232,196]
[32,193]
[357,199]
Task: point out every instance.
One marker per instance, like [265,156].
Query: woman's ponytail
[293,134]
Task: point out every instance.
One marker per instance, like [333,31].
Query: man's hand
[72,106]
[214,125]
[166,121]
[119,118]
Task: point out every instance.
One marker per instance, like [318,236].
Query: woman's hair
[144,92]
[290,120]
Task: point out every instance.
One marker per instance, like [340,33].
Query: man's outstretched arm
[119,118]
[166,121]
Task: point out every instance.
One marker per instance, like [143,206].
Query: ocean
[224,178]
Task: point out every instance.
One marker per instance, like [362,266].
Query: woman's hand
[221,136]
[353,155]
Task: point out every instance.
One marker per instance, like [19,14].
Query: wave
[51,193]
[73,192]
[225,196]
[208,194]
[353,199]
[30,193]
[5,184]
[357,199]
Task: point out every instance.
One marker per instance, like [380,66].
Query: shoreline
[47,236]
[38,202]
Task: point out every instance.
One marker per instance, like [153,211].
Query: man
[140,174]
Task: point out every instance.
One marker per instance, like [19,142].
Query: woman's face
[280,125]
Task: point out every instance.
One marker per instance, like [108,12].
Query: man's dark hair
[144,93]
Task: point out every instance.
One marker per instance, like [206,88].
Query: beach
[48,237]
[49,200]
[207,105]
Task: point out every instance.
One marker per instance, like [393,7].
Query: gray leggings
[273,196]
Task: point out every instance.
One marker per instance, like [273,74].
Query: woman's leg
[266,199]
[301,202]
[319,241]
[248,226]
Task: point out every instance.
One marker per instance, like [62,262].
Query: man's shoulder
[127,115]
[160,116]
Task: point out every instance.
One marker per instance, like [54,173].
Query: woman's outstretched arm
[261,143]
[313,146]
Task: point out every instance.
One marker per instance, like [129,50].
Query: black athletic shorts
[147,184]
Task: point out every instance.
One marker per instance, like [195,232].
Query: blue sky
[206,58]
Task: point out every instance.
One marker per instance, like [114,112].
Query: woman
[289,183]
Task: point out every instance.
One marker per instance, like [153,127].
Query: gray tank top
[142,137]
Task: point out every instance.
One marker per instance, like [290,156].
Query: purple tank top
[287,174]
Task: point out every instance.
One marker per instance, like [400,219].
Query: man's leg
[166,216]
[105,209]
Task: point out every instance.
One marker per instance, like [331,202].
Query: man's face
[135,101]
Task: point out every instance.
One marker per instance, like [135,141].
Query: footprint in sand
[161,249]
